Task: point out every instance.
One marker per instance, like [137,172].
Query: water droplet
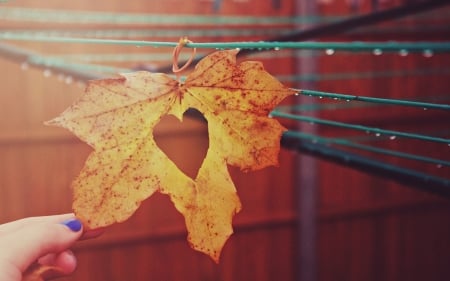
[296,94]
[403,53]
[425,108]
[347,100]
[329,52]
[336,98]
[24,66]
[320,97]
[47,73]
[68,80]
[377,52]
[276,48]
[427,53]
[377,134]
[439,166]
[392,137]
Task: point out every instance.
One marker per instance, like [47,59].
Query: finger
[38,272]
[14,225]
[51,266]
[34,240]
[65,262]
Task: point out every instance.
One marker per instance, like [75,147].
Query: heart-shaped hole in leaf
[184,142]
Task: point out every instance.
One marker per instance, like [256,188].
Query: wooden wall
[371,228]
[368,228]
[38,163]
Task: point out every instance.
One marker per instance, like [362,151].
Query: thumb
[28,243]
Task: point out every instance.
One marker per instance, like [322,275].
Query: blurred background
[308,219]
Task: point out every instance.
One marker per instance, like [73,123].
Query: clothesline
[375,47]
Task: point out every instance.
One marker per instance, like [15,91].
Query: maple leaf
[116,117]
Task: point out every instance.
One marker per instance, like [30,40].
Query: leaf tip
[53,122]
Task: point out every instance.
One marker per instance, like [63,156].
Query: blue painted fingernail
[73,224]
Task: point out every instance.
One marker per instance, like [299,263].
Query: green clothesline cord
[364,75]
[376,47]
[424,105]
[73,40]
[376,131]
[345,142]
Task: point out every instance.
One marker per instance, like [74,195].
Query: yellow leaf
[117,116]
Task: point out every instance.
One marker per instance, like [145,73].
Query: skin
[38,241]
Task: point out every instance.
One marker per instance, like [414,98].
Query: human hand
[39,242]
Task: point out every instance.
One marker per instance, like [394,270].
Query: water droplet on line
[377,52]
[47,73]
[403,53]
[24,66]
[427,53]
[329,52]
[68,80]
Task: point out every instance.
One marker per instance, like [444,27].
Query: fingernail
[73,224]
